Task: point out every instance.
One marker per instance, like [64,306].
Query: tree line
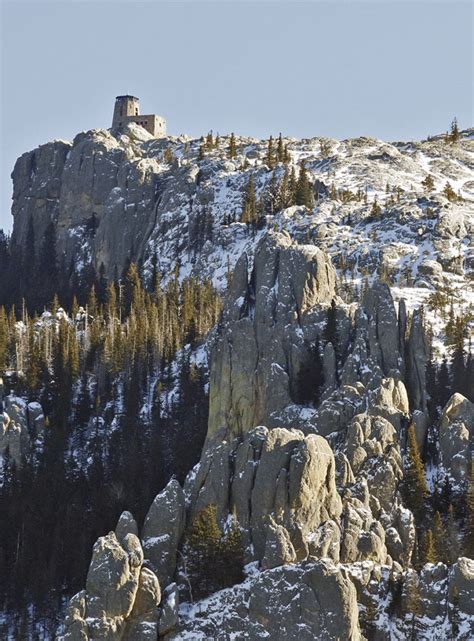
[126,408]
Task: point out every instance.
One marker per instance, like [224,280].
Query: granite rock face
[456,428]
[121,596]
[255,358]
[310,600]
[163,529]
[279,484]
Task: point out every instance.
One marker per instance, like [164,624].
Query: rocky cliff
[322,545]
[317,368]
[112,197]
[328,543]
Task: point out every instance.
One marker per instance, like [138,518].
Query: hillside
[259,374]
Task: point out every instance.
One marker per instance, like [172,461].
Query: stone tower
[127,109]
[125,106]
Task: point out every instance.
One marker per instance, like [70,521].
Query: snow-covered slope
[113,197]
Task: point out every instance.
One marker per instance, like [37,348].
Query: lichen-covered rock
[363,536]
[400,535]
[21,422]
[148,594]
[326,542]
[336,411]
[390,400]
[383,328]
[142,625]
[11,437]
[75,619]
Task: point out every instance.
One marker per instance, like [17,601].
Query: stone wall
[156,125]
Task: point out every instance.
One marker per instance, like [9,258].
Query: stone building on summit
[127,109]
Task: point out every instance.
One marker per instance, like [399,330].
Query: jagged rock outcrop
[417,357]
[278,483]
[297,524]
[255,357]
[95,190]
[125,525]
[162,530]
[456,427]
[306,601]
[121,596]
[21,422]
[445,615]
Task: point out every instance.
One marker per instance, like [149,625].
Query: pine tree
[34,365]
[449,192]
[3,339]
[232,147]
[427,548]
[213,560]
[304,191]
[458,366]
[271,196]
[232,553]
[414,482]
[469,379]
[428,183]
[310,378]
[270,157]
[284,198]
[412,603]
[201,550]
[440,539]
[330,328]
[454,131]
[249,209]
[281,156]
[443,384]
[168,156]
[376,210]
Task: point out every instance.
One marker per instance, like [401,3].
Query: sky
[390,69]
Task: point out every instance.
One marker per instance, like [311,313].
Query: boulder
[311,601]
[125,525]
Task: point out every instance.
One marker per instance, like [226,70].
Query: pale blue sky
[395,70]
